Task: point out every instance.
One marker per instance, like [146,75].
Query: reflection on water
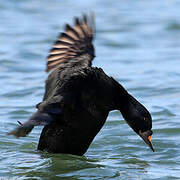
[137,42]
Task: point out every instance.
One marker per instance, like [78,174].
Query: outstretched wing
[74,45]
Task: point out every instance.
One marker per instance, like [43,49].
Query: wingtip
[77,21]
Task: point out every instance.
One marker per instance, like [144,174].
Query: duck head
[137,117]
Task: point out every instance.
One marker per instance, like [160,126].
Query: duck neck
[124,103]
[121,96]
[122,100]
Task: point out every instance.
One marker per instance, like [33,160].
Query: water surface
[137,42]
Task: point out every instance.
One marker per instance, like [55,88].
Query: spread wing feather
[72,44]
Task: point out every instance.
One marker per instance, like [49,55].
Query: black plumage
[78,97]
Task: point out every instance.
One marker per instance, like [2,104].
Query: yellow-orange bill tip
[149,138]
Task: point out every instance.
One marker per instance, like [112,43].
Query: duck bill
[147,139]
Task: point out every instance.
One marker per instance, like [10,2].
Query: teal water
[138,43]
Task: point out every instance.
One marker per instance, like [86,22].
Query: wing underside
[73,44]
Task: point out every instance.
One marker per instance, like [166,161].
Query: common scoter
[78,96]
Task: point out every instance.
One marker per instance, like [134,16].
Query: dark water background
[137,42]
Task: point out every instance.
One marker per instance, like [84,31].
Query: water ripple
[137,43]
